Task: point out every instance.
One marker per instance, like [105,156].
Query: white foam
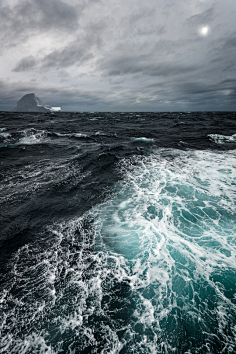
[162,236]
[32,136]
[5,135]
[76,135]
[80,135]
[221,139]
[62,135]
[144,140]
[168,213]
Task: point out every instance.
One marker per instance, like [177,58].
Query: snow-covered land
[31,103]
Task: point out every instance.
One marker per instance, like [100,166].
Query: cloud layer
[122,56]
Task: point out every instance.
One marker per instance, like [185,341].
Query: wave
[221,139]
[150,270]
[32,136]
[143,140]
[71,135]
[5,135]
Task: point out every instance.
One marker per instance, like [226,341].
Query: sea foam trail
[173,221]
[150,270]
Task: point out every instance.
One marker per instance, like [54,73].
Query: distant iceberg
[31,103]
[55,109]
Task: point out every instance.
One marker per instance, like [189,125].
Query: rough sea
[118,233]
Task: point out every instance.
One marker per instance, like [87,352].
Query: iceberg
[31,103]
[55,109]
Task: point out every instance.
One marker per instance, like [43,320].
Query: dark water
[118,233]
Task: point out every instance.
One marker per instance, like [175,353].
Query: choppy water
[118,233]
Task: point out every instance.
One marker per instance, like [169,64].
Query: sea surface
[118,233]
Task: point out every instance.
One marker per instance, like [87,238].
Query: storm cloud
[20,19]
[25,64]
[122,56]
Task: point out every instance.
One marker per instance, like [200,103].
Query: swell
[150,269]
[118,233]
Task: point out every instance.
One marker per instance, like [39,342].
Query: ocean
[118,233]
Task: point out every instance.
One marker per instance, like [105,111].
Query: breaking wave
[150,270]
[221,139]
[32,136]
[71,135]
[144,140]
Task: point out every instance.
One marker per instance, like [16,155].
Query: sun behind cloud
[204,31]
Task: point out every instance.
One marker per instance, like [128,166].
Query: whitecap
[32,136]
[138,269]
[80,135]
[71,135]
[221,139]
[61,134]
[169,227]
[5,135]
[144,140]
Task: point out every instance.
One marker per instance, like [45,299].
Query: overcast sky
[119,55]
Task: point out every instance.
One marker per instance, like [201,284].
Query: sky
[119,55]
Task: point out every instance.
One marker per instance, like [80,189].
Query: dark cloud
[231,82]
[195,88]
[230,42]
[202,18]
[132,65]
[26,17]
[223,55]
[137,55]
[78,51]
[139,15]
[67,97]
[75,53]
[217,94]
[70,55]
[192,95]
[203,87]
[143,23]
[25,64]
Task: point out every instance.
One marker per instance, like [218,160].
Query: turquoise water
[170,227]
[150,270]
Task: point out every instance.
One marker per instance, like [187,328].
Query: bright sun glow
[204,31]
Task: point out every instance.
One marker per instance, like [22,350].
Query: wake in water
[151,269]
